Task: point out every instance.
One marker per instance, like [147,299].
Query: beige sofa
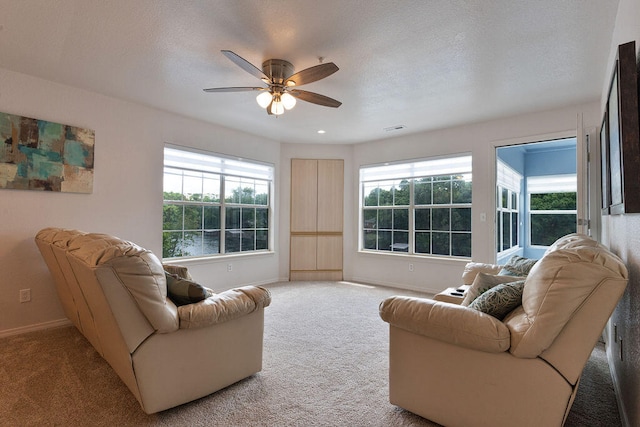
[115,293]
[458,366]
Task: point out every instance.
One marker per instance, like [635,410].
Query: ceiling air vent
[394,128]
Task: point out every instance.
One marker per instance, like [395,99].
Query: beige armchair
[115,293]
[458,366]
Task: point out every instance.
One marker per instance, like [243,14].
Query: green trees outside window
[206,214]
[425,215]
[553,215]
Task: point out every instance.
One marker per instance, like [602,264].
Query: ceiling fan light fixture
[281,92]
[288,101]
[276,106]
[264,99]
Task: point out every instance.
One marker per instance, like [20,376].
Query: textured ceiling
[418,63]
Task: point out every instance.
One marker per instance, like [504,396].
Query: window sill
[215,258]
[431,258]
[509,251]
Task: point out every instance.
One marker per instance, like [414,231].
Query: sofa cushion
[500,300]
[183,291]
[517,266]
[472,269]
[482,283]
[133,267]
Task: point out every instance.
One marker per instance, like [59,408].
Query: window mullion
[223,214]
[411,219]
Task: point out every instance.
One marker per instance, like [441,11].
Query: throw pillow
[482,283]
[517,266]
[500,300]
[472,269]
[183,291]
[179,270]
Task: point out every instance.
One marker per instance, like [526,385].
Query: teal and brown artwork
[40,155]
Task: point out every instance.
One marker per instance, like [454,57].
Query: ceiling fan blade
[312,74]
[233,89]
[315,98]
[246,65]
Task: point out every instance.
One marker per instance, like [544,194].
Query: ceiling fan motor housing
[278,69]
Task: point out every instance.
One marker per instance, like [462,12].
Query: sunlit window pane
[192,186]
[415,212]
[200,190]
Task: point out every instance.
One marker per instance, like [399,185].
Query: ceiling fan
[281,93]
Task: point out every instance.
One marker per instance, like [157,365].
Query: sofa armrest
[451,323]
[223,307]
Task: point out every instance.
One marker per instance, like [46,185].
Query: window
[421,207]
[508,198]
[214,205]
[552,207]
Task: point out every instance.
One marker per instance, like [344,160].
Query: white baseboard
[37,327]
[394,285]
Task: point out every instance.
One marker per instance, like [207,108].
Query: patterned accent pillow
[482,283]
[500,300]
[183,291]
[517,266]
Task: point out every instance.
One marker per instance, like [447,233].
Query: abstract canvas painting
[40,155]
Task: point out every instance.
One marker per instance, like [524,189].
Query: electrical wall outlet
[229,267]
[25,295]
[410,267]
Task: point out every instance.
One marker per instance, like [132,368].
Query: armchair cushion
[183,291]
[222,307]
[451,323]
[483,282]
[555,290]
[517,266]
[500,300]
[573,240]
[472,269]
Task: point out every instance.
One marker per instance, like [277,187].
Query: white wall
[434,275]
[621,233]
[127,195]
[429,274]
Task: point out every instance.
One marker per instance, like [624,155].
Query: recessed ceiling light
[321,131]
[394,128]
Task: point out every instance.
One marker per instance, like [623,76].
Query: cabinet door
[303,252]
[329,253]
[304,195]
[330,195]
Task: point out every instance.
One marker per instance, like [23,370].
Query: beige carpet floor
[325,364]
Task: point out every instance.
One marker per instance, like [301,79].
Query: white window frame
[208,165]
[565,183]
[411,171]
[511,181]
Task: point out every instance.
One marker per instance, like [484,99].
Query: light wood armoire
[317,202]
